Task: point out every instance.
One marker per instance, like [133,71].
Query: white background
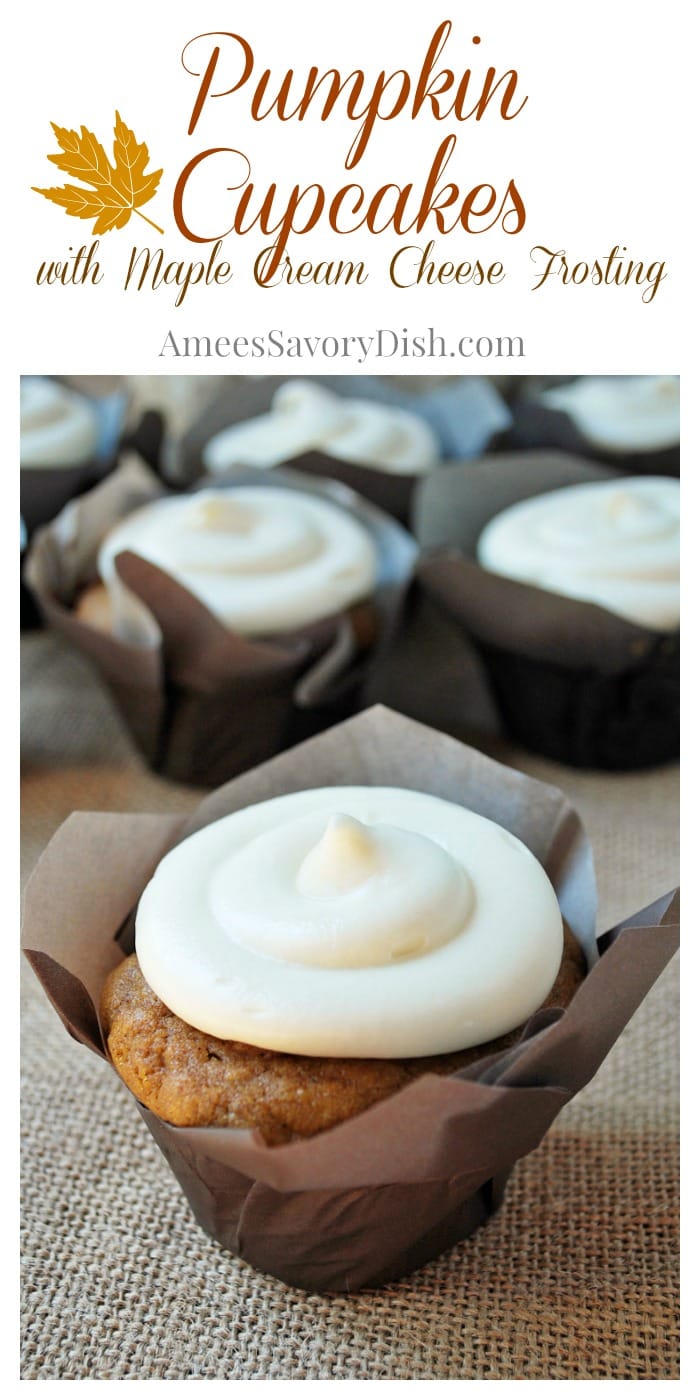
[594,154]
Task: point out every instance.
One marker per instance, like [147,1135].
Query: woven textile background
[575,1278]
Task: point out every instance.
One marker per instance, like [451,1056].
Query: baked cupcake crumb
[192,1079]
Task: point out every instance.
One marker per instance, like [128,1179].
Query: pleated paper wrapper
[536,425]
[464,413]
[570,680]
[375,1197]
[202,702]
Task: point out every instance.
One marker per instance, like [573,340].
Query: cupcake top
[622,413]
[307,418]
[263,559]
[351,921]
[58,428]
[614,543]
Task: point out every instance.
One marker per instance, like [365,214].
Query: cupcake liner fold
[570,679]
[392,492]
[43,491]
[380,1194]
[202,702]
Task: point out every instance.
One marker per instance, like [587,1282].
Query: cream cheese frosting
[262,559]
[622,413]
[58,428]
[180,398]
[351,921]
[614,543]
[305,417]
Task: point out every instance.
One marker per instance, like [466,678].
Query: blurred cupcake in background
[631,422]
[68,440]
[369,431]
[375,448]
[161,409]
[615,543]
[564,577]
[229,621]
[58,428]
[306,417]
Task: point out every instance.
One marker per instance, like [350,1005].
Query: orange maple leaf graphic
[116,190]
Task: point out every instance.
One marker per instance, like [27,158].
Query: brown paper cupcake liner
[378,1195]
[390,492]
[204,703]
[178,458]
[537,426]
[43,492]
[570,679]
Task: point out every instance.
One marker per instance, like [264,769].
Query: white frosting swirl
[615,543]
[58,428]
[622,413]
[365,922]
[305,417]
[180,398]
[262,559]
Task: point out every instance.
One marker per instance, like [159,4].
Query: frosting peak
[348,854]
[222,513]
[335,892]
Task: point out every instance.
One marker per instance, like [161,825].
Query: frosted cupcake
[59,436]
[58,428]
[60,456]
[229,622]
[632,422]
[375,895]
[376,448]
[566,580]
[614,543]
[263,560]
[312,954]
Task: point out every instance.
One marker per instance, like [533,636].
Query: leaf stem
[146,220]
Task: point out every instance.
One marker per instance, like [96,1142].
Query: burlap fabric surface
[575,1278]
